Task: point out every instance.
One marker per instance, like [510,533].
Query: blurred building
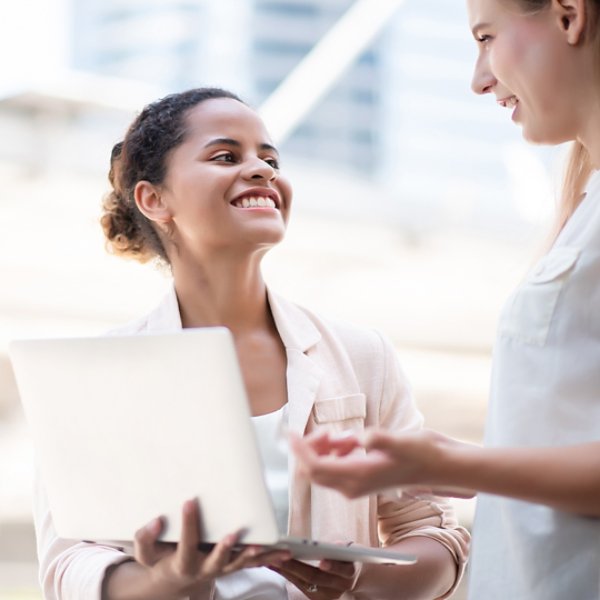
[249,47]
[401,115]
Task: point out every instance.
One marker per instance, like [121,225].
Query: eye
[273,162]
[228,157]
[482,39]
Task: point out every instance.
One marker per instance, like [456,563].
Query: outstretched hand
[411,460]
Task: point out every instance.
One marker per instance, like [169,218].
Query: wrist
[456,463]
[168,586]
[129,580]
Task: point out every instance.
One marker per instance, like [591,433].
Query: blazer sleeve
[69,570]
[402,515]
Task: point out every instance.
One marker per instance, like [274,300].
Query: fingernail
[250,551]
[153,526]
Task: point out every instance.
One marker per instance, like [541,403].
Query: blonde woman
[537,527]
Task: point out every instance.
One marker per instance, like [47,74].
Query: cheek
[522,57]
[285,189]
[505,59]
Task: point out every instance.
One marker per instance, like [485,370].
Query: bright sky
[33,41]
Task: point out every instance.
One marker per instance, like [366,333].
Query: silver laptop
[126,428]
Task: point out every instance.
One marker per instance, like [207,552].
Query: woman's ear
[572,16]
[150,203]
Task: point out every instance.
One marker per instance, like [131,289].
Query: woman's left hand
[330,580]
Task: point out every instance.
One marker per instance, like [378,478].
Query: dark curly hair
[142,156]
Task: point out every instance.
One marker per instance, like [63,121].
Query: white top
[262,583]
[545,391]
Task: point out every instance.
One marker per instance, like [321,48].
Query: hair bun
[123,235]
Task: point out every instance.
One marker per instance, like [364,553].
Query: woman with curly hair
[197,184]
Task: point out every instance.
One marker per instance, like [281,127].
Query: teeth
[255,201]
[509,102]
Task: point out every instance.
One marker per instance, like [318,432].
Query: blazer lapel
[298,334]
[304,377]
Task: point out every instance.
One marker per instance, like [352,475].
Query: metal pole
[324,64]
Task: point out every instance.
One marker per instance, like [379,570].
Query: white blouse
[262,583]
[545,392]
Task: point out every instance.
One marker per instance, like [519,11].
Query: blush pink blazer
[339,377]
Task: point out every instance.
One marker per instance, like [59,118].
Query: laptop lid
[127,428]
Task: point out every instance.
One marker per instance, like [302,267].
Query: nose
[483,81]
[257,168]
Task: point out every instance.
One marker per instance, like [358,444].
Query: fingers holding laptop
[330,580]
[182,567]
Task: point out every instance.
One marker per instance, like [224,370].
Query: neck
[589,123]
[222,292]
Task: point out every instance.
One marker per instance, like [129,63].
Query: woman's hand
[330,580]
[413,460]
[170,571]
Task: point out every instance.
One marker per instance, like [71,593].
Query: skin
[171,571]
[565,478]
[210,237]
[547,61]
[215,250]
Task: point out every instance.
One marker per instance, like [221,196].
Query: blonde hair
[577,172]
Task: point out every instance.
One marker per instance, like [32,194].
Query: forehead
[225,117]
[484,11]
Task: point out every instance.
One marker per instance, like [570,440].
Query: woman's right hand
[173,571]
[414,461]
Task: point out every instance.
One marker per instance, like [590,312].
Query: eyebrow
[232,142]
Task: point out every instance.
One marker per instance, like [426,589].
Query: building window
[292,9]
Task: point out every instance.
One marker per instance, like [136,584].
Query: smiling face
[223,190]
[533,63]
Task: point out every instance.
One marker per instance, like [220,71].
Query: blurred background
[417,206]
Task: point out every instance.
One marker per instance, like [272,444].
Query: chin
[536,139]
[266,238]
[531,139]
[540,137]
